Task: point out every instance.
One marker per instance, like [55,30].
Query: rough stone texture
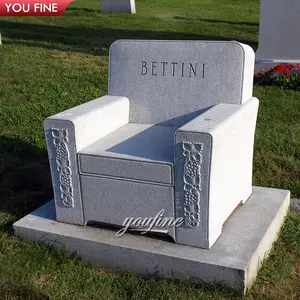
[279,33]
[118,6]
[223,74]
[214,154]
[234,259]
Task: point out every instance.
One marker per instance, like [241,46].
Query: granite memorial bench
[172,140]
[173,134]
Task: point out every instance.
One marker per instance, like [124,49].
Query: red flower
[279,68]
[287,73]
[290,66]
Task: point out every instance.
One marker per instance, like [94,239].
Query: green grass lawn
[52,63]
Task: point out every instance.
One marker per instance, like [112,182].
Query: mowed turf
[50,64]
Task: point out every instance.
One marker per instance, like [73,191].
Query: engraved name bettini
[173,69]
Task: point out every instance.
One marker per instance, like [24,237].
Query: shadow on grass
[25,180]
[87,40]
[16,291]
[216,21]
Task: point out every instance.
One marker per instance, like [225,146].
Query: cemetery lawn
[53,63]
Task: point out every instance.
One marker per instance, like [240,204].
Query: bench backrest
[170,82]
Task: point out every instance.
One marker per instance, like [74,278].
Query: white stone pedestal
[234,259]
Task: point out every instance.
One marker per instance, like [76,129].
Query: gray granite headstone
[279,32]
[118,6]
[171,82]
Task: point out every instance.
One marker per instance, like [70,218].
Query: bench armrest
[69,132]
[213,167]
[92,120]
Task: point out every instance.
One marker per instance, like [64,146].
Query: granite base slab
[234,259]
